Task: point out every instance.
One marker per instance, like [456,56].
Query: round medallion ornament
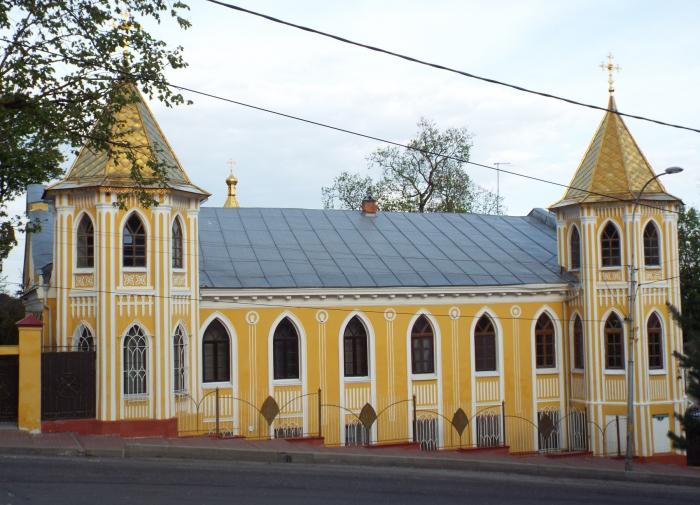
[389,314]
[322,316]
[252,317]
[454,313]
[515,311]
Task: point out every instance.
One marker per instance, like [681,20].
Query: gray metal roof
[299,248]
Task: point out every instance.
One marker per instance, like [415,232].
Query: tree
[689,318]
[11,311]
[428,177]
[61,66]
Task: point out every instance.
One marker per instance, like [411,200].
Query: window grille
[484,345]
[652,256]
[84,340]
[285,351]
[614,343]
[177,245]
[427,433]
[578,430]
[422,347]
[578,343]
[216,353]
[179,371]
[289,431]
[488,429]
[135,362]
[548,423]
[355,349]
[575,249]
[134,243]
[610,246]
[85,250]
[544,342]
[654,339]
[356,434]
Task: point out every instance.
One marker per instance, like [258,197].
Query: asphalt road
[73,481]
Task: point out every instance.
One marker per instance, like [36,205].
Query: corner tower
[599,226]
[126,277]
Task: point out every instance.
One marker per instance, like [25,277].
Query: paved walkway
[16,442]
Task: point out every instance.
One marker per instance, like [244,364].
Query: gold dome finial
[610,67]
[231,182]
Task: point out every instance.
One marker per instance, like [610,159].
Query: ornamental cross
[610,67]
[231,163]
[124,27]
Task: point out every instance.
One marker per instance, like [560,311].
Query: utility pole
[498,184]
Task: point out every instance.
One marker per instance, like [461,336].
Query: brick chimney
[369,205]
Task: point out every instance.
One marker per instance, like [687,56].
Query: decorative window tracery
[179,368]
[135,362]
[177,244]
[84,341]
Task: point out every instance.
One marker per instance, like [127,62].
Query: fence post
[217,412]
[29,374]
[617,429]
[319,414]
[415,422]
[503,422]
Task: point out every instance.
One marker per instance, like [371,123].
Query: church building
[364,326]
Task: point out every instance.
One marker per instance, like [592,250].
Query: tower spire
[610,67]
[231,182]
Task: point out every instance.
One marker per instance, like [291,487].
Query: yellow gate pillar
[29,402]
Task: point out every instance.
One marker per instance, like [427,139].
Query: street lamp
[632,305]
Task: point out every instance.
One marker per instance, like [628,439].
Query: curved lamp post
[632,305]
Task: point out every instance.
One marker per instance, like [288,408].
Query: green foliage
[61,63]
[689,318]
[11,311]
[429,177]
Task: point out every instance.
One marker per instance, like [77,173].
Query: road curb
[136,450]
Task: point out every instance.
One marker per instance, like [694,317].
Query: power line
[448,69]
[406,146]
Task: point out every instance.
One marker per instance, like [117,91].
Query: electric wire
[446,68]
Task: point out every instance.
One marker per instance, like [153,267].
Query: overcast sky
[552,46]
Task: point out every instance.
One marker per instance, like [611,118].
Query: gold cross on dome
[610,67]
[125,28]
[231,163]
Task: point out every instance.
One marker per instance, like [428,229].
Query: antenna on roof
[498,184]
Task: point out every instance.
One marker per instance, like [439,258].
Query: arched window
[610,246]
[578,343]
[614,343]
[85,250]
[179,380]
[135,362]
[134,243]
[652,256]
[83,339]
[575,245]
[355,348]
[654,339]
[285,351]
[177,248]
[484,345]
[216,353]
[422,347]
[544,342]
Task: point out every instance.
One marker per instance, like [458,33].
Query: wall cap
[30,321]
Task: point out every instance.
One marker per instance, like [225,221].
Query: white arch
[599,241]
[645,348]
[233,355]
[149,239]
[301,333]
[76,332]
[569,261]
[659,236]
[625,336]
[437,357]
[76,224]
[183,229]
[371,368]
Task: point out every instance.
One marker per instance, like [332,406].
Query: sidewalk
[283,451]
